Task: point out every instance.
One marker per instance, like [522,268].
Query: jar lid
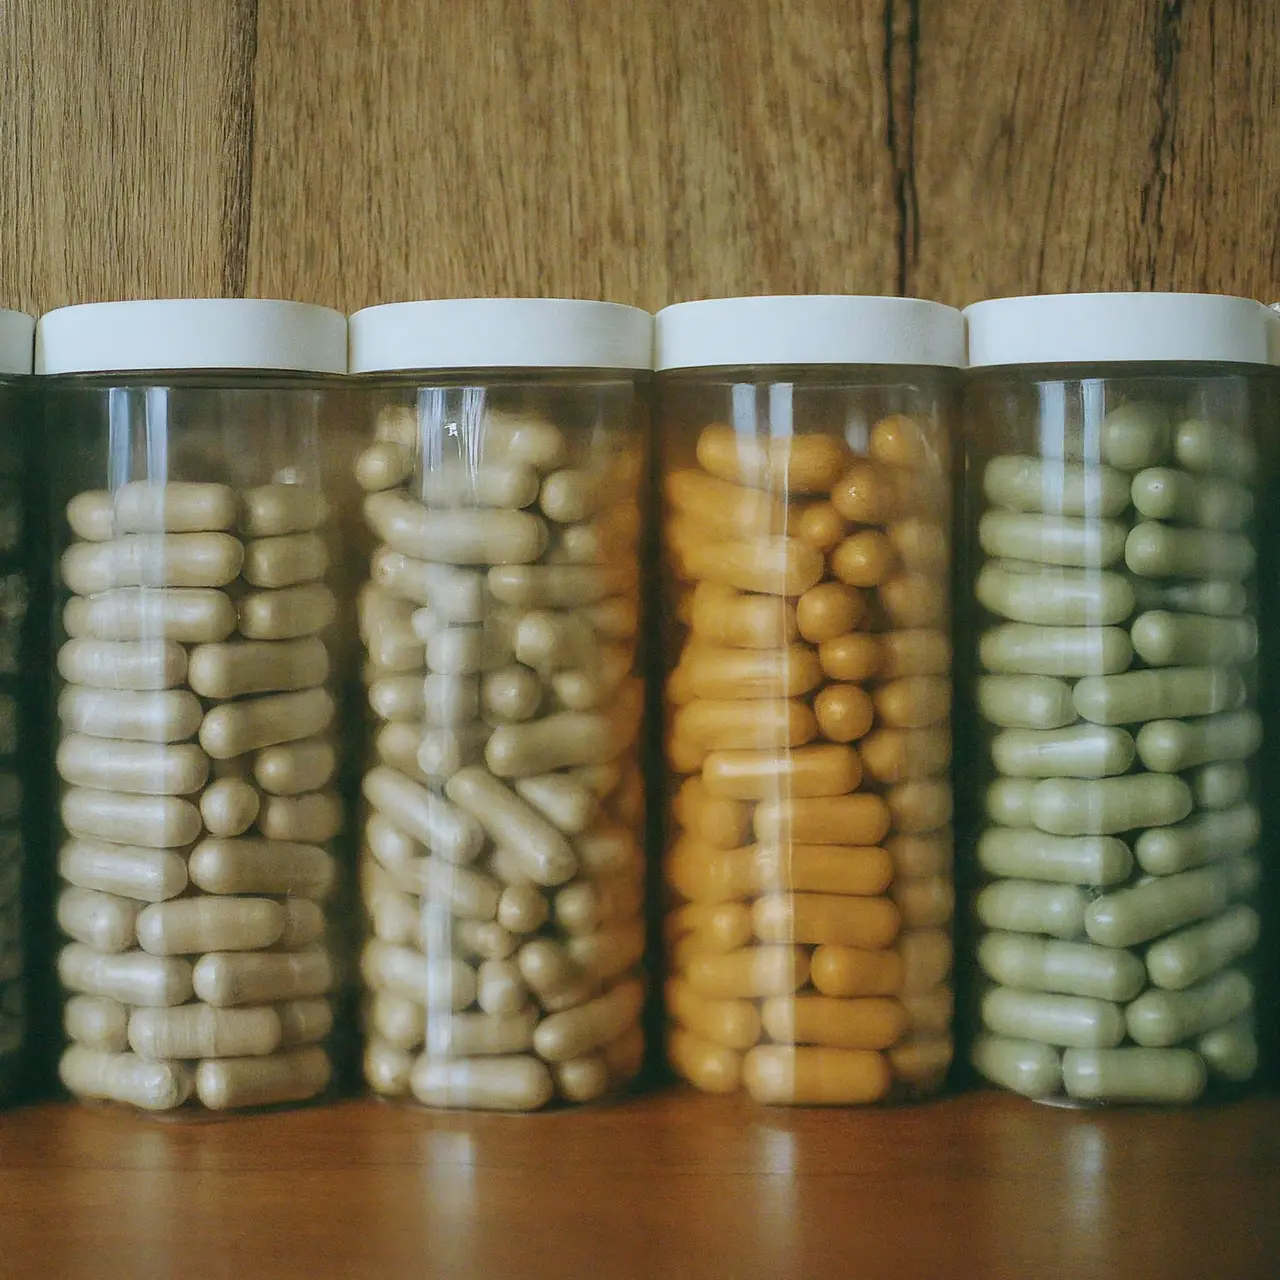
[500,333]
[16,330]
[814,329]
[192,333]
[1111,328]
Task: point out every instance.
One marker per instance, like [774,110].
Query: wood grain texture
[670,1184]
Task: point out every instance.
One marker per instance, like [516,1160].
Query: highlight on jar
[502,867]
[1112,466]
[197,747]
[807,554]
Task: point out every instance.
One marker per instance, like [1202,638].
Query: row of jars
[350,705]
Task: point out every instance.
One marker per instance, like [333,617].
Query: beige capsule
[304,923]
[473,939]
[445,829]
[499,987]
[271,510]
[561,1037]
[549,642]
[388,844]
[479,537]
[396,1020]
[293,768]
[140,665]
[397,746]
[304,1021]
[142,506]
[140,768]
[384,465]
[229,806]
[572,495]
[387,1068]
[124,1077]
[467,1035]
[171,560]
[311,819]
[226,1083]
[566,738]
[102,921]
[190,926]
[97,1022]
[584,905]
[160,822]
[609,849]
[559,586]
[582,1079]
[568,803]
[400,698]
[237,668]
[487,484]
[132,977]
[456,595]
[250,865]
[232,729]
[285,561]
[286,614]
[201,1031]
[596,685]
[517,1083]
[522,908]
[148,875]
[161,716]
[437,982]
[259,977]
[545,966]
[189,615]
[511,693]
[608,952]
[442,752]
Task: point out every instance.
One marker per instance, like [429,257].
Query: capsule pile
[197,764]
[808,715]
[501,868]
[1119,686]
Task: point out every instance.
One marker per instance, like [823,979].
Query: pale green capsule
[1134,1075]
[1162,493]
[1009,802]
[1154,550]
[1034,1070]
[1218,833]
[1170,746]
[1130,916]
[1185,957]
[1063,1020]
[1164,639]
[1106,806]
[1211,448]
[1023,906]
[1026,702]
[1219,785]
[1135,435]
[1071,968]
[1060,540]
[1164,693]
[1031,855]
[1081,751]
[1219,599]
[1161,1018]
[1231,1051]
[1054,597]
[1243,873]
[1058,488]
[1018,649]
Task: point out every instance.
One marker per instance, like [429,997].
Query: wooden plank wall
[643,150]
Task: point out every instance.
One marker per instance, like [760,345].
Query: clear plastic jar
[197,746]
[20,700]
[502,865]
[806,476]
[1111,470]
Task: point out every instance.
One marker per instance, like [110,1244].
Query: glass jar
[806,477]
[1110,497]
[20,694]
[197,744]
[502,865]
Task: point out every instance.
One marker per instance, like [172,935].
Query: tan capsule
[140,768]
[572,1034]
[387,1068]
[131,977]
[545,966]
[295,767]
[396,1020]
[234,728]
[567,803]
[388,844]
[142,506]
[596,685]
[465,1035]
[304,1021]
[930,854]
[924,903]
[517,1083]
[102,921]
[565,739]
[304,923]
[272,510]
[201,1031]
[499,987]
[434,821]
[188,926]
[455,595]
[311,819]
[174,560]
[148,875]
[166,715]
[188,615]
[477,939]
[442,752]
[522,908]
[609,952]
[124,1077]
[123,664]
[249,865]
[161,822]
[229,807]
[226,1083]
[286,614]
[97,1022]
[481,537]
[248,666]
[438,983]
[383,465]
[467,893]
[920,805]
[259,977]
[286,560]
[582,1079]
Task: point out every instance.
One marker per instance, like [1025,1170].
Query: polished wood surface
[670,1184]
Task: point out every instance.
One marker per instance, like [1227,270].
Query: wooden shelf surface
[670,1184]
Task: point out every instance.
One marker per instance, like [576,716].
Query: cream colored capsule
[561,1037]
[1218,599]
[388,844]
[141,665]
[725,674]
[124,1077]
[511,693]
[1018,649]
[1050,539]
[1158,694]
[1026,702]
[188,926]
[517,1083]
[142,506]
[274,510]
[91,515]
[1155,550]
[232,729]
[1180,959]
[249,865]
[1081,751]
[1135,435]
[437,982]
[201,1031]
[1157,1019]
[563,739]
[304,923]
[486,484]
[386,1068]
[595,685]
[464,537]
[229,807]
[258,977]
[549,642]
[1054,597]
[560,586]
[295,767]
[1078,1021]
[545,966]
[166,715]
[455,595]
[467,1035]
[384,465]
[396,1020]
[1055,487]
[522,908]
[188,615]
[102,921]
[777,566]
[906,755]
[567,803]
[1068,807]
[1026,906]
[430,819]
[1033,855]
[1153,907]
[439,752]
[161,822]
[1215,449]
[1220,785]
[309,819]
[571,495]
[1231,1052]
[1134,1075]
[1171,746]
[1023,1066]
[1070,968]
[140,768]
[1165,494]
[294,1076]
[171,560]
[815,1076]
[475,939]
[400,697]
[131,977]
[750,973]
[785,464]
[234,669]
[1206,836]
[148,875]
[97,1022]
[286,614]
[500,989]
[609,952]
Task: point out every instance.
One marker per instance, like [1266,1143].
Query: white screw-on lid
[16,329]
[1111,328]
[192,333]
[800,330]
[500,333]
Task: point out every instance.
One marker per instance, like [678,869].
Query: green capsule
[1133,1075]
[1054,597]
[1029,854]
[1161,493]
[1158,1019]
[1155,907]
[1071,968]
[1217,833]
[1059,540]
[1022,483]
[1162,693]
[1034,1070]
[1026,702]
[1170,746]
[1154,550]
[1053,1019]
[1107,806]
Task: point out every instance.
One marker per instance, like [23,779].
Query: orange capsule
[903,755]
[705,1065]
[914,702]
[813,918]
[820,525]
[864,559]
[735,1024]
[827,770]
[926,959]
[813,1076]
[731,509]
[916,856]
[751,973]
[917,652]
[853,971]
[866,494]
[844,712]
[777,566]
[829,610]
[925,902]
[715,724]
[854,820]
[723,824]
[724,674]
[921,544]
[913,599]
[900,441]
[929,1013]
[922,1063]
[920,806]
[821,868]
[870,1023]
[855,656]
[721,615]
[788,464]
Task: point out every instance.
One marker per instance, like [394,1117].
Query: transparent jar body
[197,754]
[1115,733]
[808,872]
[501,864]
